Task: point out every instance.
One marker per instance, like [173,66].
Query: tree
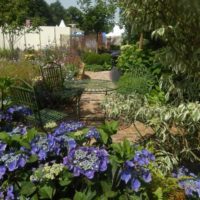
[57,12]
[98,17]
[177,23]
[39,12]
[73,16]
[174,22]
[14,15]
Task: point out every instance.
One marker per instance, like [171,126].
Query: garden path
[91,111]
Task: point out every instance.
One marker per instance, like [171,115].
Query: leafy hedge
[132,58]
[91,58]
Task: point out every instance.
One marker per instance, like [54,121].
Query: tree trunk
[141,41]
[97,46]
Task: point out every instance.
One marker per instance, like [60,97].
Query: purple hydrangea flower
[126,176]
[7,193]
[183,171]
[1,195]
[39,147]
[42,146]
[135,184]
[2,171]
[67,127]
[92,133]
[42,154]
[2,147]
[10,193]
[21,109]
[136,169]
[191,187]
[191,184]
[13,161]
[22,130]
[86,161]
[146,176]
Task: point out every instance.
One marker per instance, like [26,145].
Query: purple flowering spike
[89,174]
[126,176]
[12,165]
[147,177]
[2,171]
[135,185]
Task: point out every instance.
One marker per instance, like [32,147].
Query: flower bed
[76,162]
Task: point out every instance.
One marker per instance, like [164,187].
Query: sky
[65,3]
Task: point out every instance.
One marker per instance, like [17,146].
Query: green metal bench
[54,82]
[25,95]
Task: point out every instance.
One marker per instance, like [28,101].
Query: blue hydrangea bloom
[135,184]
[7,193]
[86,161]
[2,147]
[92,133]
[136,170]
[10,193]
[191,184]
[67,127]
[21,109]
[12,162]
[2,171]
[191,187]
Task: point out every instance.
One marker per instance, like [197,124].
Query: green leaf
[31,134]
[107,189]
[85,195]
[159,193]
[47,192]
[79,196]
[123,151]
[24,144]
[64,182]
[32,159]
[4,137]
[27,188]
[104,136]
[110,127]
